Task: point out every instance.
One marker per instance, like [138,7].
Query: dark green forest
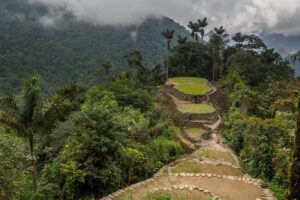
[70,51]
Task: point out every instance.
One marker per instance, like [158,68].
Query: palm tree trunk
[168,65]
[294,186]
[213,73]
[33,164]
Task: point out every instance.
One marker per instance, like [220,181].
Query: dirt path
[212,168]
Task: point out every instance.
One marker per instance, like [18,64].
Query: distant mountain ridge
[71,51]
[286,46]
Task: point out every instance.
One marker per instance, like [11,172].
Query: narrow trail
[212,169]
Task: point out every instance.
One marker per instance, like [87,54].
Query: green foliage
[279,191]
[255,68]
[24,116]
[233,78]
[263,139]
[127,94]
[190,59]
[110,143]
[164,150]
[294,178]
[13,160]
[234,129]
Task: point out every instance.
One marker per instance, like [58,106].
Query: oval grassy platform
[196,108]
[187,80]
[191,85]
[193,89]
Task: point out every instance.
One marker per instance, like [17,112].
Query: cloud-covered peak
[249,16]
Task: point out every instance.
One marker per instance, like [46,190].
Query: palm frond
[12,122]
[9,104]
[30,99]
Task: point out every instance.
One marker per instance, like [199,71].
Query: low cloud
[249,16]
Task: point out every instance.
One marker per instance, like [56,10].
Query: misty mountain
[70,50]
[286,46]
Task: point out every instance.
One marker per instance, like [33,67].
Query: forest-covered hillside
[70,51]
[147,111]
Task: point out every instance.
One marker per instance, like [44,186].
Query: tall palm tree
[202,24]
[195,30]
[21,114]
[220,31]
[217,38]
[168,34]
[294,185]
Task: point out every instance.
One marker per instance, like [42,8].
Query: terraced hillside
[212,170]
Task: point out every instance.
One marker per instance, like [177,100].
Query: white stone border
[266,193]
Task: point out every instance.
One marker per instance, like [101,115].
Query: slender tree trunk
[168,59]
[33,164]
[294,185]
[168,65]
[213,73]
[169,45]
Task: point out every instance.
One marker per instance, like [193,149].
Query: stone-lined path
[212,169]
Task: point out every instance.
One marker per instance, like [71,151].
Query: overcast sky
[248,16]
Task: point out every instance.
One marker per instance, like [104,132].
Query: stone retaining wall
[207,116]
[191,124]
[219,100]
[206,135]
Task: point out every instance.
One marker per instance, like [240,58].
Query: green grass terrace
[191,85]
[215,154]
[196,108]
[195,132]
[195,167]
